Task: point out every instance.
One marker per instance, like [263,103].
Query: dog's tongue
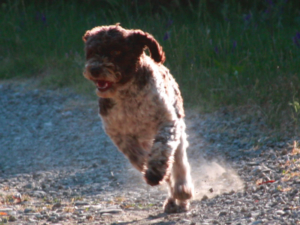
[103,85]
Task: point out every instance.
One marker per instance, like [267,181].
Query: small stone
[80,203]
[297,181]
[67,114]
[243,209]
[293,193]
[28,210]
[204,198]
[56,206]
[53,219]
[223,213]
[186,221]
[256,170]
[111,211]
[48,124]
[284,152]
[89,217]
[264,168]
[266,176]
[39,216]
[272,156]
[248,214]
[280,212]
[39,194]
[99,206]
[254,189]
[29,186]
[231,192]
[256,197]
[11,219]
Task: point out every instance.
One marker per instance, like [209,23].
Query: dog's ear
[144,39]
[86,35]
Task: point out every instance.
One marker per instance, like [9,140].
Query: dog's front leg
[162,153]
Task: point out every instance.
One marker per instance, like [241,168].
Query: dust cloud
[213,178]
[211,175]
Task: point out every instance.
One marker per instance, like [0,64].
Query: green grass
[221,54]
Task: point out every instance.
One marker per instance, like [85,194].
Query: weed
[69,209]
[77,198]
[295,111]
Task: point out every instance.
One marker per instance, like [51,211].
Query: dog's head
[112,56]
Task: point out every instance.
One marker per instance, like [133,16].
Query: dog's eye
[115,53]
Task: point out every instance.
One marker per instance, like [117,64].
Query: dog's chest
[138,117]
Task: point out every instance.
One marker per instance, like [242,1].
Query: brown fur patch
[105,104]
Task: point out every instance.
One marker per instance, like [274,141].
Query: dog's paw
[170,206]
[153,176]
[183,190]
[183,206]
[156,172]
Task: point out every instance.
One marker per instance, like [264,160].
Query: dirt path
[58,167]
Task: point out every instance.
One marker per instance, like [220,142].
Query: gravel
[57,166]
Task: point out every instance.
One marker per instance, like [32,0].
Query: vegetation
[222,53]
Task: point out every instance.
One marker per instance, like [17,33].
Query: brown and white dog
[141,107]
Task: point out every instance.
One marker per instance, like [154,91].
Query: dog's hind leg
[181,173]
[171,205]
[180,190]
[180,182]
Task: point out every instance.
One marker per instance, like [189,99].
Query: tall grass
[233,53]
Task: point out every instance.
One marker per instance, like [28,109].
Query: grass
[235,53]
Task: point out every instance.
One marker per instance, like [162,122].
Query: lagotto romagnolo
[141,107]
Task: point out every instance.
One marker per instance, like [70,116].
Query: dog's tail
[147,40]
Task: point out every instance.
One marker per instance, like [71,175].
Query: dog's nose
[95,71]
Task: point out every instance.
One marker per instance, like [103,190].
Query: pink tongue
[103,84]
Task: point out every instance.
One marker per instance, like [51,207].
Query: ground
[57,166]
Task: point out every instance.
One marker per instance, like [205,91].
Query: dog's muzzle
[104,75]
[97,76]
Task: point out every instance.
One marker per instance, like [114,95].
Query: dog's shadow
[156,219]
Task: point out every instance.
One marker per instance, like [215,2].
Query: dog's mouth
[103,85]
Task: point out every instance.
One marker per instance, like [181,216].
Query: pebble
[111,211]
[56,206]
[28,210]
[223,213]
[12,218]
[39,194]
[81,203]
[60,167]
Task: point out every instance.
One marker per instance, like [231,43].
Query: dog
[141,107]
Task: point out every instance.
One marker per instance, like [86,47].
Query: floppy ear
[86,36]
[143,39]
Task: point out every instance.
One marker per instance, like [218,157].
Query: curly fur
[141,107]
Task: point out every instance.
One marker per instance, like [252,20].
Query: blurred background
[224,54]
